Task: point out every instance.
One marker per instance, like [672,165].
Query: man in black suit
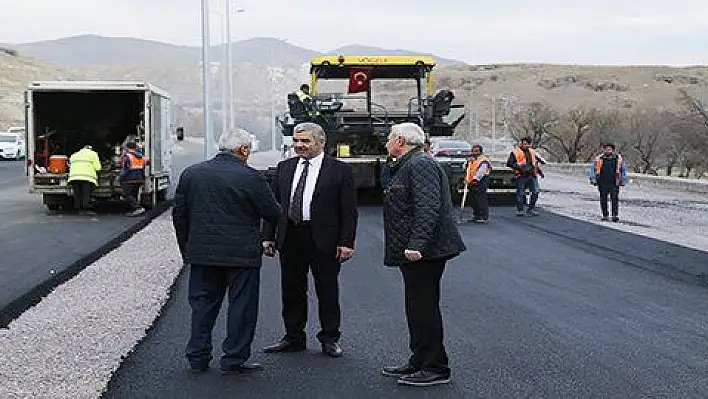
[315,232]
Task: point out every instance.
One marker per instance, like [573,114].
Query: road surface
[537,307]
[37,244]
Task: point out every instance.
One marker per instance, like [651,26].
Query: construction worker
[608,172]
[478,169]
[83,177]
[525,164]
[132,177]
[304,95]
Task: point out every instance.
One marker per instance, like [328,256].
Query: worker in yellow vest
[524,161]
[477,178]
[84,166]
[306,99]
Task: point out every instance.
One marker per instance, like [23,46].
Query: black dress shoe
[399,371]
[199,367]
[243,368]
[285,346]
[332,349]
[424,378]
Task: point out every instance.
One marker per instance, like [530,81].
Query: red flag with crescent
[359,79]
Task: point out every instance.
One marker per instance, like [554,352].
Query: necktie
[296,204]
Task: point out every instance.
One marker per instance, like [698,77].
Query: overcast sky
[600,32]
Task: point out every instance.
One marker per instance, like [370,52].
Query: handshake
[269,248]
[343,253]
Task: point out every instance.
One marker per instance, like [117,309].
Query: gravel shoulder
[677,217]
[69,345]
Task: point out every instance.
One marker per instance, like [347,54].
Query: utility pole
[469,106]
[206,69]
[494,123]
[476,126]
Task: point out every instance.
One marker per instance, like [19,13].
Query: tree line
[672,141]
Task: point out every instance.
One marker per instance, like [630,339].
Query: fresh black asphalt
[537,307]
[39,249]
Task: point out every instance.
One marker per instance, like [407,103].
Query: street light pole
[208,133]
[272,102]
[224,69]
[230,67]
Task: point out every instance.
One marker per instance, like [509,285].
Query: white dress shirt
[313,172]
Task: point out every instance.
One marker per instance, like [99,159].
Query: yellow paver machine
[357,126]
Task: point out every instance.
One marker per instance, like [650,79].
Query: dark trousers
[480,203]
[298,256]
[611,191]
[130,192]
[82,194]
[207,288]
[523,183]
[425,326]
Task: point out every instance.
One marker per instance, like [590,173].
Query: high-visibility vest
[618,172]
[474,165]
[304,96]
[84,166]
[522,161]
[135,162]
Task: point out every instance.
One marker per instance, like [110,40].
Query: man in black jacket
[421,236]
[217,214]
[315,232]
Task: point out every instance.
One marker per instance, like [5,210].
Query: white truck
[64,116]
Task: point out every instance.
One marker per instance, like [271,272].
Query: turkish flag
[359,79]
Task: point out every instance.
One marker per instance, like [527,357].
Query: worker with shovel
[478,169]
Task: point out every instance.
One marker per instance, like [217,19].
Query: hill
[94,50]
[16,72]
[260,91]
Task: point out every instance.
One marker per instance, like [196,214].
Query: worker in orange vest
[608,172]
[524,161]
[132,177]
[478,169]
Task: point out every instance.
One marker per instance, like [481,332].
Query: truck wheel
[18,156]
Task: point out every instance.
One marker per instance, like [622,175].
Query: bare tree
[695,123]
[649,131]
[678,140]
[534,120]
[582,130]
[695,107]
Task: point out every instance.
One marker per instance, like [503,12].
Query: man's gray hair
[233,139]
[412,133]
[317,132]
